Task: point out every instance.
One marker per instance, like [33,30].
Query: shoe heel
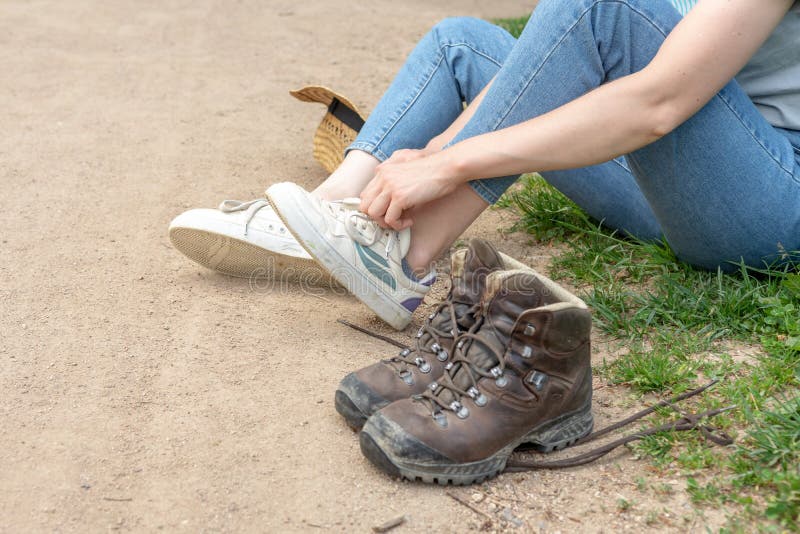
[562,431]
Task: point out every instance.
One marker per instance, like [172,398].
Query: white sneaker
[244,239]
[363,257]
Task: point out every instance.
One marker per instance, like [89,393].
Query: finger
[368,195]
[394,213]
[382,223]
[377,209]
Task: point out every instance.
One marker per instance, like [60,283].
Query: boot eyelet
[462,412]
[499,378]
[407,377]
[434,386]
[529,330]
[477,397]
[436,347]
[441,355]
[431,317]
[441,419]
[527,352]
[405,352]
[448,366]
[419,332]
[424,366]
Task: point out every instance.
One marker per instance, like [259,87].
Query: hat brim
[323,95]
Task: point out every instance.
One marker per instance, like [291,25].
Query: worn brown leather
[395,378]
[515,315]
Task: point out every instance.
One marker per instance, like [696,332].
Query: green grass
[513,25]
[674,326]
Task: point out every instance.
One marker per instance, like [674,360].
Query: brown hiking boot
[363,392]
[522,375]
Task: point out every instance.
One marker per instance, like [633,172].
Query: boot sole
[354,417]
[241,259]
[549,436]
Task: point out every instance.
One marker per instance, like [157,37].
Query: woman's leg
[723,186]
[447,68]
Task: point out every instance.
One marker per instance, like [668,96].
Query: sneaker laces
[251,207]
[359,226]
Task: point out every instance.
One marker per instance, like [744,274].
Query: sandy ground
[140,392]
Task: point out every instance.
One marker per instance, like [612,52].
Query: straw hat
[338,128]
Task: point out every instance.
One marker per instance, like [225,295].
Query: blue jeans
[723,187]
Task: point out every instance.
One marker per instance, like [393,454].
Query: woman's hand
[407,179]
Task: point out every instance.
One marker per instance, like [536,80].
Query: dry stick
[468,505]
[113,499]
[371,333]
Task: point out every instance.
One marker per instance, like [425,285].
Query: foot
[363,257]
[243,239]
[362,393]
[522,375]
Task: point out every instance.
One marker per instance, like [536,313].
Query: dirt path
[141,392]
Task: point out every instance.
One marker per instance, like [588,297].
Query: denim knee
[457,30]
[661,13]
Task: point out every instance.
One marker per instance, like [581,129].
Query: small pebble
[477,497]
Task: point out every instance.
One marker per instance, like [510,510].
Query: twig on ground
[468,505]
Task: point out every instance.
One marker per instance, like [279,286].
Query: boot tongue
[469,268]
[507,295]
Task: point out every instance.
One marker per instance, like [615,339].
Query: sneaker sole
[234,257]
[550,436]
[361,286]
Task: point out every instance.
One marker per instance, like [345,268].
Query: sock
[426,280]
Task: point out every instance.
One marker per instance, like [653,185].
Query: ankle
[350,178]
[419,261]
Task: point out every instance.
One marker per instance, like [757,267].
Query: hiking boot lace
[432,397]
[413,356]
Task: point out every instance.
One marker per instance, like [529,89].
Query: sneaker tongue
[507,295]
[404,241]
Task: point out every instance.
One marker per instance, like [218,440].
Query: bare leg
[350,178]
[439,223]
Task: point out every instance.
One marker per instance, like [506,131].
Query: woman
[628,109]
